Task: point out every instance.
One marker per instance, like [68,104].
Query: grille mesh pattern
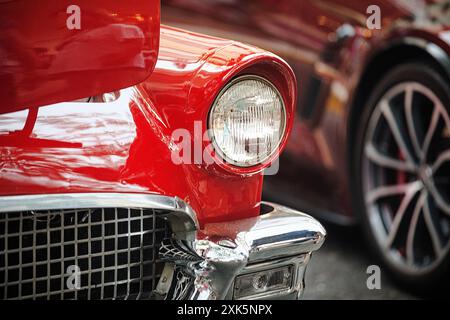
[115,251]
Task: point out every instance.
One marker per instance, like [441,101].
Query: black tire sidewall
[429,77]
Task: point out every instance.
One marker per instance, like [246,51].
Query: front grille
[109,253]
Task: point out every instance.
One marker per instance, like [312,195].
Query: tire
[398,221]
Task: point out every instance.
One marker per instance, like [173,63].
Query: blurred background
[369,153]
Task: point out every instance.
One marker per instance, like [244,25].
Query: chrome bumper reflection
[205,266]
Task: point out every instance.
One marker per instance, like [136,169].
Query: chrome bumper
[204,265]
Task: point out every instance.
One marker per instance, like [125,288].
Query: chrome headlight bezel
[218,150]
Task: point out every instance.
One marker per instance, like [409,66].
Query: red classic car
[132,158]
[371,137]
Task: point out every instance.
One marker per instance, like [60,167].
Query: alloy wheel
[406,177]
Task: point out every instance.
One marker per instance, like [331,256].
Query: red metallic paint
[43,62]
[125,145]
[204,76]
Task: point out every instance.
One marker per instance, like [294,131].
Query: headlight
[247,121]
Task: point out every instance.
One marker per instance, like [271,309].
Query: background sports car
[371,140]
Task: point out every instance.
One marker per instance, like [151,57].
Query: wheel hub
[425,175]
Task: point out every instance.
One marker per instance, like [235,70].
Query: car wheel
[402,175]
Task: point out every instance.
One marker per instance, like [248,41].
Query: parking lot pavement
[338,269]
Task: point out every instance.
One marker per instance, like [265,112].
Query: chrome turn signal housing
[263,282]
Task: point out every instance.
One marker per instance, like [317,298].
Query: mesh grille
[80,254]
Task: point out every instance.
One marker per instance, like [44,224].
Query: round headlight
[247,121]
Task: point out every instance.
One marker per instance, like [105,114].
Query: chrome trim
[282,232]
[203,264]
[299,264]
[182,218]
[222,251]
[101,244]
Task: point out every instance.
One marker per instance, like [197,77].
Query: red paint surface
[125,145]
[43,62]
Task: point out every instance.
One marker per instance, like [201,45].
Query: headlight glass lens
[247,121]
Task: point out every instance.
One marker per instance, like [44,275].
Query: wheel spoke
[409,92]
[395,130]
[385,161]
[432,230]
[430,133]
[392,234]
[441,159]
[440,201]
[412,228]
[385,191]
[446,117]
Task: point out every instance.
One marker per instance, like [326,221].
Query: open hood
[55,51]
